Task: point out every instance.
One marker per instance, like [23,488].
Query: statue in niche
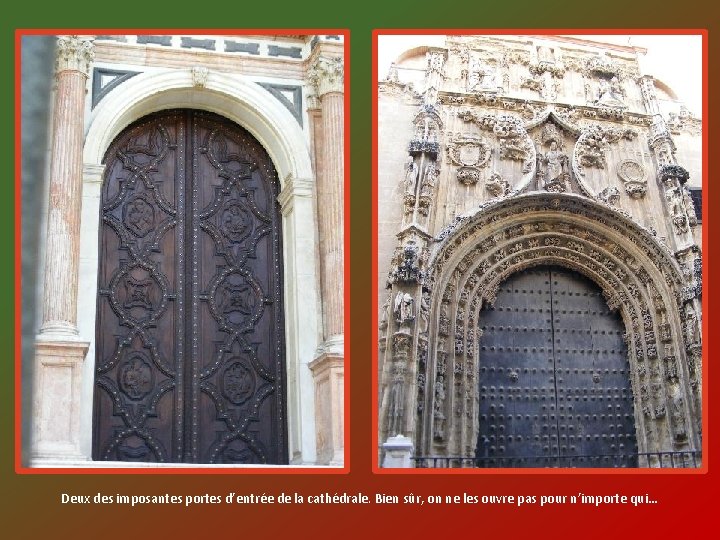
[384,315]
[392,75]
[481,77]
[425,310]
[429,179]
[692,327]
[439,417]
[689,207]
[676,208]
[404,308]
[556,172]
[411,176]
[610,93]
[545,54]
[395,410]
[678,416]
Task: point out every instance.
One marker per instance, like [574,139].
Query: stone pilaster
[59,349]
[327,77]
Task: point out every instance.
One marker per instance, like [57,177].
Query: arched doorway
[464,274]
[554,379]
[190,363]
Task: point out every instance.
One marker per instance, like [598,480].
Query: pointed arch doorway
[554,378]
[190,353]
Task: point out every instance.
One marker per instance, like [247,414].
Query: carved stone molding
[327,75]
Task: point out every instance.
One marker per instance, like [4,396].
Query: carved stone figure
[556,173]
[384,314]
[610,93]
[396,408]
[429,179]
[411,176]
[392,75]
[481,77]
[676,208]
[689,207]
[425,310]
[404,308]
[678,417]
[555,161]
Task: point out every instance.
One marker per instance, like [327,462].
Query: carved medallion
[135,377]
[238,383]
[632,174]
[139,216]
[138,293]
[469,151]
[235,222]
[237,300]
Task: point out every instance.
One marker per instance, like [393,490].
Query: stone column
[60,351]
[327,77]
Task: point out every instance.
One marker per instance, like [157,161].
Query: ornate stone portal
[532,182]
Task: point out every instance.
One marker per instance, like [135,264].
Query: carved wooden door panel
[554,377]
[190,333]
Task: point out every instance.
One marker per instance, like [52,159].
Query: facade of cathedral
[192,274]
[539,258]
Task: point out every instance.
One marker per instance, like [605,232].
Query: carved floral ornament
[637,275]
[74,53]
[327,74]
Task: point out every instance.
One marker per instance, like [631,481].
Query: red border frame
[288,469]
[705,312]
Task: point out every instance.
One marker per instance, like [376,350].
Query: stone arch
[242,101]
[639,278]
[256,110]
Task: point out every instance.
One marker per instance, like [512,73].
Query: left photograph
[185,256]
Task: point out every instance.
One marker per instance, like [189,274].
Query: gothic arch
[639,278]
[253,108]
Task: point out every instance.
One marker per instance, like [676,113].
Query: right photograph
[539,250]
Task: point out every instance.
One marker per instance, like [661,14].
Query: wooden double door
[190,363]
[554,376]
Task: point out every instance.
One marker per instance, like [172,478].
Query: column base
[56,399]
[329,375]
[398,451]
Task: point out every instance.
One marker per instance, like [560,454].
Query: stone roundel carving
[632,173]
[469,151]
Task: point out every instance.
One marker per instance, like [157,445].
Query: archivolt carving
[638,276]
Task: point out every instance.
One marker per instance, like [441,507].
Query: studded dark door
[554,376]
[190,339]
